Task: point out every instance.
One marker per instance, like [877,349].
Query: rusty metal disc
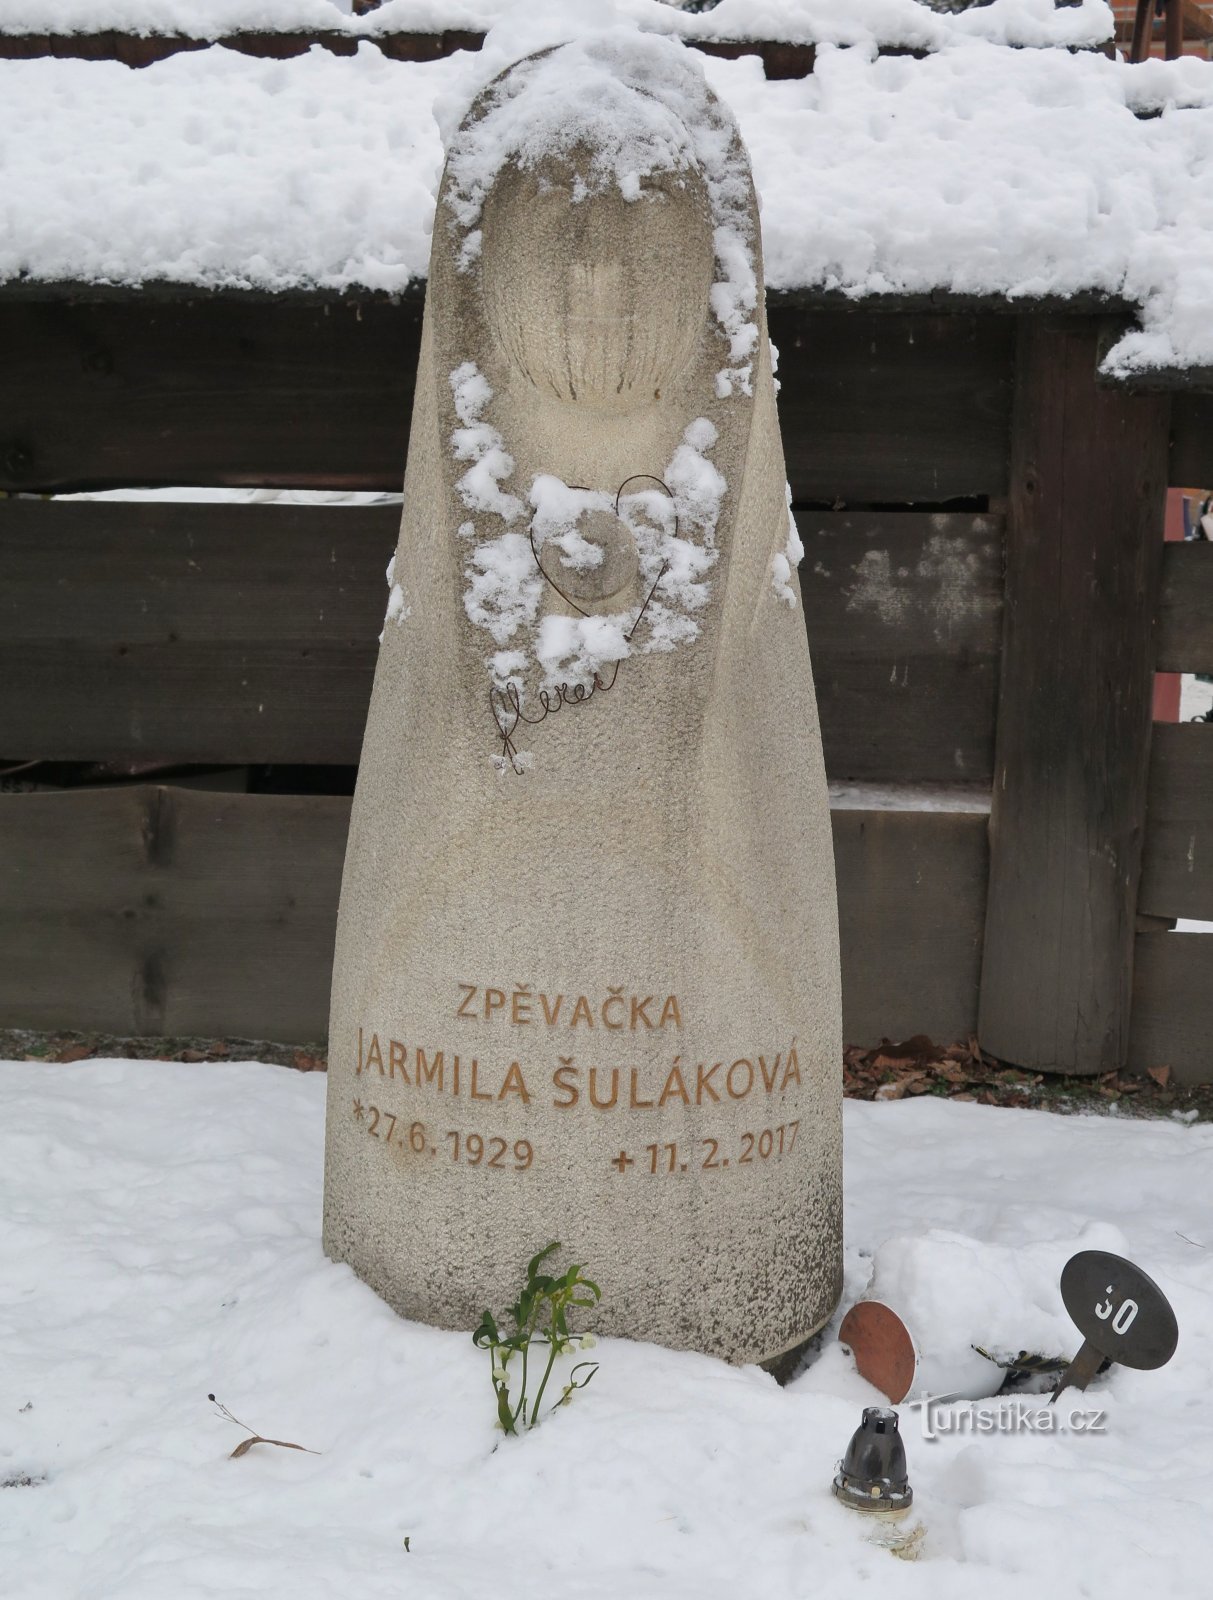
[881,1344]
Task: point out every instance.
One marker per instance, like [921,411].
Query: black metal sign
[1121,1313]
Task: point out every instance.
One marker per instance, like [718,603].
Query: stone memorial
[586,983]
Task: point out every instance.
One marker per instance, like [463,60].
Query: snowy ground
[161,1240]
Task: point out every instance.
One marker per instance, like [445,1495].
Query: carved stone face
[598,301]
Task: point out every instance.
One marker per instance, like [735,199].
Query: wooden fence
[987,597]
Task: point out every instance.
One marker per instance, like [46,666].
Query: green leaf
[540,1318]
[486,1334]
[533,1265]
[504,1415]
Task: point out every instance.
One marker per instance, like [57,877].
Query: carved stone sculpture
[586,982]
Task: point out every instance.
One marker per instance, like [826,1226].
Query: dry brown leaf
[890,1091]
[246,1445]
[73,1052]
[1161,1075]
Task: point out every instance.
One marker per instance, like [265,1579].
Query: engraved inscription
[444,1071]
[521,1007]
[655,1160]
[573,1083]
[472,1149]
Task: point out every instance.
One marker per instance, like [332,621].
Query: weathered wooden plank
[1173,1005]
[889,408]
[876,408]
[218,390]
[157,910]
[1192,439]
[144,50]
[904,613]
[187,632]
[1088,473]
[1173,31]
[779,58]
[911,907]
[1185,607]
[149,910]
[193,632]
[1177,862]
[133,50]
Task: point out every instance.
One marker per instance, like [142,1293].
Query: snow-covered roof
[905,24]
[974,170]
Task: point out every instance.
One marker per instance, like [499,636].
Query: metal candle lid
[872,1476]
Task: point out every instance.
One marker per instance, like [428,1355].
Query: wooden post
[1174,20]
[1084,555]
[1143,21]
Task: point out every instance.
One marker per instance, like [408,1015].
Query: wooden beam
[1185,607]
[1197,26]
[149,910]
[889,408]
[1088,471]
[1198,23]
[911,907]
[144,50]
[213,391]
[1191,441]
[779,58]
[904,613]
[192,632]
[132,50]
[1142,23]
[1173,1005]
[315,391]
[1177,863]
[1173,22]
[189,632]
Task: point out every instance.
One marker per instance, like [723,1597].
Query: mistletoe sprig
[540,1317]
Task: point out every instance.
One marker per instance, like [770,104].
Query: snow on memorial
[586,982]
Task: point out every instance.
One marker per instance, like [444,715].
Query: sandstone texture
[586,983]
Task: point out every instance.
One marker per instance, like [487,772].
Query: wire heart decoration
[506,704]
[563,593]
